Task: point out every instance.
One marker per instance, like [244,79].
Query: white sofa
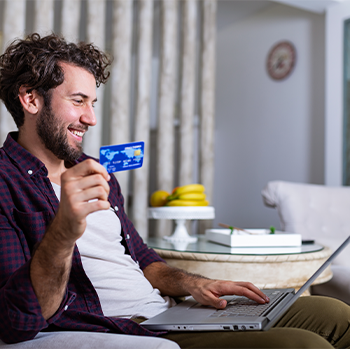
[321,213]
[89,340]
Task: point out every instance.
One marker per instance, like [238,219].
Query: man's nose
[88,117]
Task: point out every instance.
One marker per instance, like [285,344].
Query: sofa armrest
[317,212]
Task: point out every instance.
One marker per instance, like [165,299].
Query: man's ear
[29,99]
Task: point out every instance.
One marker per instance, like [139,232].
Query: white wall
[266,130]
[335,17]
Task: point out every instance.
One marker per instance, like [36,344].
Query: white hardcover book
[257,238]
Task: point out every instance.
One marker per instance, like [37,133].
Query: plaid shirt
[28,205]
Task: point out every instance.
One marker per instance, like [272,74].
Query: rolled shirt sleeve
[21,318]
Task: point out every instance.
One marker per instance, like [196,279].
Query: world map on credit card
[126,156]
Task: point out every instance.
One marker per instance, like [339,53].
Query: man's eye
[78,101]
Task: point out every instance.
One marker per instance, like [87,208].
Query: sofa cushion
[90,340]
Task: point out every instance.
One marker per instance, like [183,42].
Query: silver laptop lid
[307,284]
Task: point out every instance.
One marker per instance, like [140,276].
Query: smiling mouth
[78,133]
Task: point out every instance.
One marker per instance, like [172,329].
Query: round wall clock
[281,60]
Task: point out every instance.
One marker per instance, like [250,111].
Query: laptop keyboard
[242,306]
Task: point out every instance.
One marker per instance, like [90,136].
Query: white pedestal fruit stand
[180,215]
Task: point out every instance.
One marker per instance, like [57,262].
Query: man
[68,261]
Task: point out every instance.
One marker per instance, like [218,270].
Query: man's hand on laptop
[175,282]
[208,292]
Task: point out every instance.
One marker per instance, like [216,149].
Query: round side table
[265,267]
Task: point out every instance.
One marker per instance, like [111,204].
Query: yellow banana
[197,196]
[187,203]
[193,188]
[189,188]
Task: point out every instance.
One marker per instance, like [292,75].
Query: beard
[54,135]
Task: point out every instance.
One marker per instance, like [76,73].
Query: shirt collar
[24,159]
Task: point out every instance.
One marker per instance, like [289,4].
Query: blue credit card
[127,156]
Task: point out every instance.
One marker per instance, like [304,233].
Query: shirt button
[66,308]
[127,236]
[116,208]
[30,172]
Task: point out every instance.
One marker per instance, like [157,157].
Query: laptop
[240,314]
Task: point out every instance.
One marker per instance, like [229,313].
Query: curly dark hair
[35,62]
